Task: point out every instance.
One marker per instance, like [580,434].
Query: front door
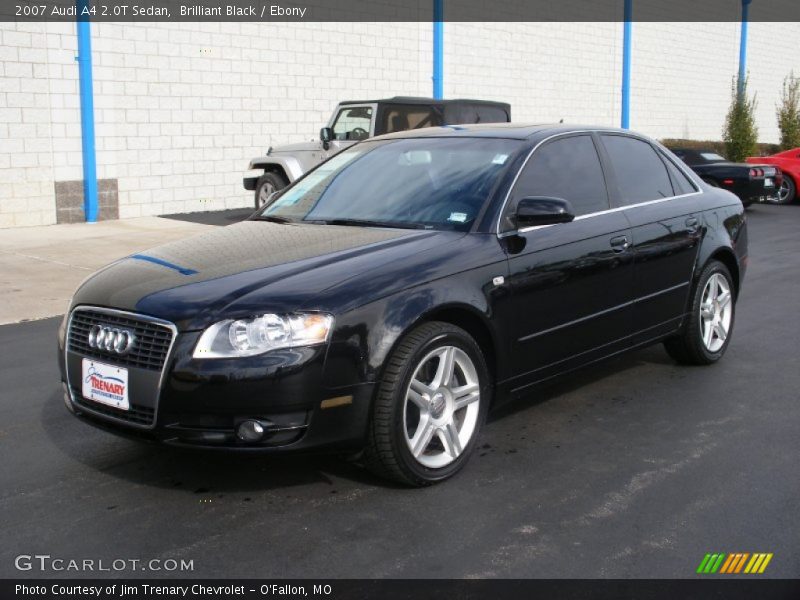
[571,283]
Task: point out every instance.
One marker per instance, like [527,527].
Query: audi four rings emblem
[111,339]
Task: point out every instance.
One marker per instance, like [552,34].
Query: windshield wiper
[272,219]
[369,223]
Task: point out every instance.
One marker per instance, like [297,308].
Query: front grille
[140,415]
[149,351]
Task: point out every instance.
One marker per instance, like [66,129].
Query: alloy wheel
[716,312]
[784,191]
[442,405]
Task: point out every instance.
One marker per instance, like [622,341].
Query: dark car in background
[751,182]
[391,296]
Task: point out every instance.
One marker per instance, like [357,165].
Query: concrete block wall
[181,107]
[38,110]
[681,72]
[773,52]
[546,71]
[682,78]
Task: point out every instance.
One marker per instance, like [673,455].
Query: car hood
[249,267]
[299,147]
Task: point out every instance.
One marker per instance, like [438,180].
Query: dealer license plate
[769,182]
[105,384]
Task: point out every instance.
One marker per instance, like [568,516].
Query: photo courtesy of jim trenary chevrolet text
[353,299]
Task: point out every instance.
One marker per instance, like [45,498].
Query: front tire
[430,406]
[269,183]
[707,331]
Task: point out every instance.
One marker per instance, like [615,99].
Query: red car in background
[789,163]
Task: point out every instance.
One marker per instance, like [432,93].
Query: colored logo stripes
[736,562]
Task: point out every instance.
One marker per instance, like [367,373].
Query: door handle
[620,243]
[693,224]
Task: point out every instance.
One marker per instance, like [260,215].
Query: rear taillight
[756,172]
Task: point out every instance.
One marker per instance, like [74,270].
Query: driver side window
[566,168]
[353,123]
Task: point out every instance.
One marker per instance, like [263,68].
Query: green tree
[788,113]
[740,133]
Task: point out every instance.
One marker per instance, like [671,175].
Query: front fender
[365,337]
[289,165]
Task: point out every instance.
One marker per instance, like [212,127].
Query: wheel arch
[288,167]
[728,258]
[474,323]
[275,168]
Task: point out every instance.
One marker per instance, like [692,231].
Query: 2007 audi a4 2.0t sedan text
[383,303]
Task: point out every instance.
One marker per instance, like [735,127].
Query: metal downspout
[86,88]
[438,49]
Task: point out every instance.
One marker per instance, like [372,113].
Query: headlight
[248,337]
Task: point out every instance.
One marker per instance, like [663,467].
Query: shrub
[740,132]
[788,112]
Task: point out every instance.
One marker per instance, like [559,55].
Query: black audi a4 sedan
[383,303]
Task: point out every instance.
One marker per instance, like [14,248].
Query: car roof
[422,100]
[514,131]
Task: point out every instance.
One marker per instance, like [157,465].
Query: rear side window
[641,175]
[680,182]
[566,168]
[403,118]
[491,114]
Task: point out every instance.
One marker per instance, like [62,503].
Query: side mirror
[542,210]
[326,135]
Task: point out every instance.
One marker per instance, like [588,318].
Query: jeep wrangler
[356,120]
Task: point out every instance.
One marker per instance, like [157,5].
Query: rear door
[661,204]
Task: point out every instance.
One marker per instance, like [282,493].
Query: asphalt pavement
[633,468]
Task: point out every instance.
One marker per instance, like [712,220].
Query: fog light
[250,431]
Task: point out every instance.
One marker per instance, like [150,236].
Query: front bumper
[201,403]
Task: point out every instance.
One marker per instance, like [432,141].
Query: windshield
[712,156]
[435,183]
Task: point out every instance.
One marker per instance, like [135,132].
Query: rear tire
[707,331]
[788,191]
[268,184]
[429,407]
